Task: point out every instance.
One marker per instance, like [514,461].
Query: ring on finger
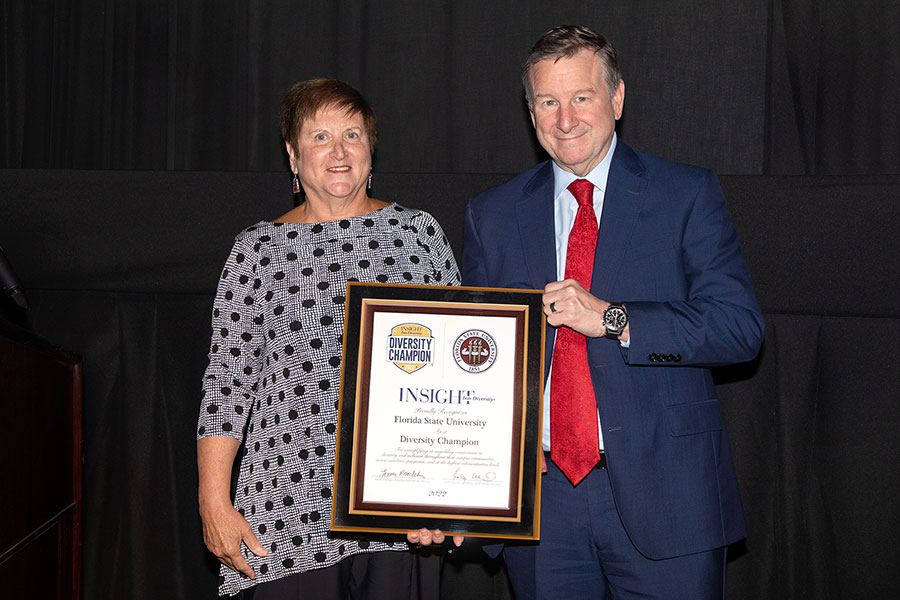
[553,307]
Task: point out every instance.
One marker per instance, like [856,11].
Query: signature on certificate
[464,474]
[401,474]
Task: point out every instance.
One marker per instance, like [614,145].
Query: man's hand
[567,304]
[426,537]
[223,530]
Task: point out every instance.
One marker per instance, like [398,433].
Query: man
[645,287]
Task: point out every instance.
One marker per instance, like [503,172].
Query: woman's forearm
[215,458]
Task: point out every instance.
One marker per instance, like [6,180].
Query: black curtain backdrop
[121,267]
[752,87]
[139,136]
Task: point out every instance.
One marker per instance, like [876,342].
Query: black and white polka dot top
[275,363]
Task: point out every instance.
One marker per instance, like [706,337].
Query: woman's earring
[297,183]
[369,185]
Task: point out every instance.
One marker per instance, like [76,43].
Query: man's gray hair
[566,41]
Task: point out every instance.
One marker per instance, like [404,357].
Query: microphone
[10,283]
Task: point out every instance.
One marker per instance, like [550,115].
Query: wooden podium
[40,468]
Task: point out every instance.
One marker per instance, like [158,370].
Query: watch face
[615,318]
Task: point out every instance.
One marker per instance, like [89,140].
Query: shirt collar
[598,176]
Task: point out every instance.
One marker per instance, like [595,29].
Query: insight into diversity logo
[410,347]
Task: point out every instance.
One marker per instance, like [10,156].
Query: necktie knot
[583,190]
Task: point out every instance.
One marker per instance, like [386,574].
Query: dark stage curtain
[753,87]
[121,267]
[834,68]
[137,137]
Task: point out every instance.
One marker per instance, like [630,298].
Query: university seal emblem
[475,351]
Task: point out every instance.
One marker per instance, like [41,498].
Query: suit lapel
[621,207]
[535,218]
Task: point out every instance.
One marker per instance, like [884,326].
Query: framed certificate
[439,422]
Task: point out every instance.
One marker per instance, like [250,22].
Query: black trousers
[387,574]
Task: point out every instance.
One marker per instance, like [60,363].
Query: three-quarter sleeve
[445,269]
[231,378]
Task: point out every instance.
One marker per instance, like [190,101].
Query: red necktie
[573,408]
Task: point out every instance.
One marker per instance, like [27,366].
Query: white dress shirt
[565,207]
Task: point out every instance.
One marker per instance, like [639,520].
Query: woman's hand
[223,526]
[223,530]
[426,537]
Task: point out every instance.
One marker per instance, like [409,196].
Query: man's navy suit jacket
[666,249]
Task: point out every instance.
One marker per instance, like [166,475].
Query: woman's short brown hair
[305,98]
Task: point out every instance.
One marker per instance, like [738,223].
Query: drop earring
[369,184]
[297,183]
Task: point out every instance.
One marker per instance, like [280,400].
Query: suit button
[670,358]
[677,358]
[652,357]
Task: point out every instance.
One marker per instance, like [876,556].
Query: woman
[271,388]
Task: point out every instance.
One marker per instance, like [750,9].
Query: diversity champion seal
[475,351]
[410,347]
